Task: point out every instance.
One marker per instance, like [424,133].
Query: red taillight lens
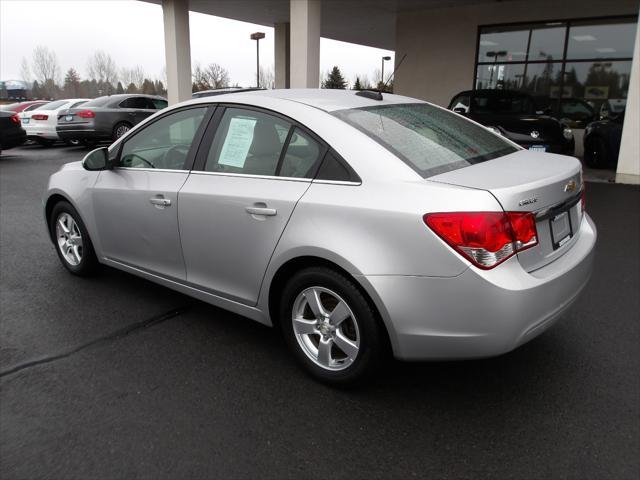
[39,116]
[15,119]
[485,238]
[86,114]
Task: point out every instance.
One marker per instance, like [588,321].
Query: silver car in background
[106,118]
[357,224]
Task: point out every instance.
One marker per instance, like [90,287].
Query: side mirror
[97,159]
[460,110]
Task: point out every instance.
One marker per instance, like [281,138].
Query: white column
[177,49]
[629,158]
[305,43]
[281,55]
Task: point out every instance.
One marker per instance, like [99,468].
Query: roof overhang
[365,22]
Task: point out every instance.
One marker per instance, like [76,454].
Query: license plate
[68,118]
[25,121]
[538,148]
[561,229]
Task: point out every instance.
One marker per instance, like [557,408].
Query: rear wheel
[330,326]
[119,130]
[596,154]
[71,239]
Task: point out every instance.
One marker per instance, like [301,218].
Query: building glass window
[576,70]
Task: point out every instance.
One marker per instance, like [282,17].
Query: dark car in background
[514,115]
[602,141]
[106,118]
[11,132]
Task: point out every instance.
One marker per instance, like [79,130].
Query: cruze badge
[527,201]
[535,134]
[570,187]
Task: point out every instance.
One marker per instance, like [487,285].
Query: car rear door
[251,170]
[136,203]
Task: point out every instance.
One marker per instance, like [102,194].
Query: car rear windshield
[52,105]
[98,102]
[429,139]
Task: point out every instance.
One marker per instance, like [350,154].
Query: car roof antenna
[376,94]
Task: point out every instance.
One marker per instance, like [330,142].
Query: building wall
[441,43]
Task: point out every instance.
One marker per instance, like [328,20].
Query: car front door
[233,211]
[136,203]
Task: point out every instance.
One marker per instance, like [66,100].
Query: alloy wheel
[69,239]
[121,130]
[326,328]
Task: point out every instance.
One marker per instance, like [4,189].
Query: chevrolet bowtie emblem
[570,187]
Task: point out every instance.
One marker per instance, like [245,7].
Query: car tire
[71,240]
[341,344]
[596,154]
[119,130]
[72,143]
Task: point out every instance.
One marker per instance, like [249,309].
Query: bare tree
[267,77]
[45,65]
[133,75]
[212,77]
[25,72]
[102,68]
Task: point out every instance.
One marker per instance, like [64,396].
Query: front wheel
[331,328]
[119,130]
[71,239]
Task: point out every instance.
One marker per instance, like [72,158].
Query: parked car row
[80,120]
[520,118]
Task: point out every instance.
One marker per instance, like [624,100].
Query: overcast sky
[132,33]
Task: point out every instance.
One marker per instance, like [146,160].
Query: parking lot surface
[115,377]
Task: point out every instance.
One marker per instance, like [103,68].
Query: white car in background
[40,123]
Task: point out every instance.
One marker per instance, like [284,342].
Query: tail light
[16,119]
[485,238]
[39,116]
[86,114]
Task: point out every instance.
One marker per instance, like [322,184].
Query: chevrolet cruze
[357,224]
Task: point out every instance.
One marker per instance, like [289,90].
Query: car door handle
[160,202]
[268,212]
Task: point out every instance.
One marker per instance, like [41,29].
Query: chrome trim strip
[246,175]
[557,208]
[146,169]
[338,182]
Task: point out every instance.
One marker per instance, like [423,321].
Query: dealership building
[573,54]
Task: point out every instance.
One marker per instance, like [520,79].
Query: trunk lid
[546,184]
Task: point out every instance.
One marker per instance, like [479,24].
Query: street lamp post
[495,55]
[257,36]
[382,75]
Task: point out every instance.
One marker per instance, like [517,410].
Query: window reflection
[589,81]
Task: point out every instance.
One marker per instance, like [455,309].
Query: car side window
[159,104]
[164,143]
[302,156]
[247,142]
[335,170]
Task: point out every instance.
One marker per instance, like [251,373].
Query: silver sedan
[358,224]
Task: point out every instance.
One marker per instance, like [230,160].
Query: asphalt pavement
[116,377]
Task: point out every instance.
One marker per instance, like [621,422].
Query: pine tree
[357,85]
[335,80]
[148,87]
[131,88]
[119,88]
[71,86]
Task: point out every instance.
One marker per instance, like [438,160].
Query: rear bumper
[481,313]
[81,132]
[12,138]
[36,131]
